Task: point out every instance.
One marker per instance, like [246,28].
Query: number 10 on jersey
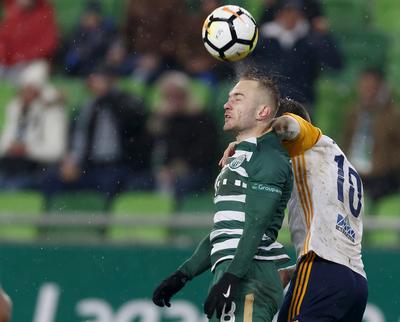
[355,184]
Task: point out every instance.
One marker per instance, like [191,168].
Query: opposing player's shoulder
[307,137]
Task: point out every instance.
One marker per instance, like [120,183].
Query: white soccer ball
[230,33]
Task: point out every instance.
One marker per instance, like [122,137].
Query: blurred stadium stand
[367,32]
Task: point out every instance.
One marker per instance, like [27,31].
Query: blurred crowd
[115,142]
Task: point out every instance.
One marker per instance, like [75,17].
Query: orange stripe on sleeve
[307,138]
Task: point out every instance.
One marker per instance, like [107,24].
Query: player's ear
[264,113]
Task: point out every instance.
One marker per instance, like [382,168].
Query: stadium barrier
[105,283]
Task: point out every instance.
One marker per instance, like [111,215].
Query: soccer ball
[230,33]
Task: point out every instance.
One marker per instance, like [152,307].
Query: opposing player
[325,221]
[5,306]
[250,199]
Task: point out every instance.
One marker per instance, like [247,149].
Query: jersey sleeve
[306,139]
[200,260]
[263,197]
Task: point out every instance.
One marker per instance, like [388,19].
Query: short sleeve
[307,138]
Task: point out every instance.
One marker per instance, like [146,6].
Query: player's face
[241,107]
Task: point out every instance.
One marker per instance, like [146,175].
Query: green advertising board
[114,284]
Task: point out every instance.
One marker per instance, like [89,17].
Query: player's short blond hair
[266,83]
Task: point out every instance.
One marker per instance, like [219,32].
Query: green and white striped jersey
[251,193]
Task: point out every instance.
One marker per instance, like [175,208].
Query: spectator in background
[185,139]
[312,10]
[108,141]
[118,58]
[371,136]
[191,53]
[28,32]
[153,29]
[35,130]
[289,48]
[90,41]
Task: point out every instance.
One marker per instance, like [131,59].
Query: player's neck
[251,133]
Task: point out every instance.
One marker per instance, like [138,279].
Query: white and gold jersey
[326,206]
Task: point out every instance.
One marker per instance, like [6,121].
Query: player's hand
[70,171]
[221,295]
[168,287]
[286,274]
[229,151]
[17,149]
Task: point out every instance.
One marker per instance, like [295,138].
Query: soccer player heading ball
[230,33]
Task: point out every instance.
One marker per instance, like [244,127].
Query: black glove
[221,295]
[168,287]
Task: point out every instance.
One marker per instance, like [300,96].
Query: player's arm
[296,133]
[198,263]
[263,197]
[5,306]
[286,274]
[259,210]
[261,206]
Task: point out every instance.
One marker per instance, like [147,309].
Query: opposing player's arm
[296,133]
[200,261]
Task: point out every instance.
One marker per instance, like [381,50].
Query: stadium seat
[394,62]
[201,92]
[387,207]
[74,91]
[363,48]
[216,110]
[141,204]
[23,203]
[346,14]
[69,12]
[73,204]
[198,202]
[199,205]
[386,15]
[7,93]
[77,202]
[333,98]
[255,7]
[134,87]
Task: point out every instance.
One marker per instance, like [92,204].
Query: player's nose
[227,106]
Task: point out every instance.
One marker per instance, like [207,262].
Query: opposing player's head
[287,105]
[251,104]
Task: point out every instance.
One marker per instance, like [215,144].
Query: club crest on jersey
[237,162]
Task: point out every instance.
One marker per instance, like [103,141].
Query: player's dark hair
[265,81]
[287,105]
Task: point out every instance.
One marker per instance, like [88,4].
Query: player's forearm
[286,127]
[245,251]
[200,260]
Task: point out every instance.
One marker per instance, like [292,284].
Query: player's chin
[228,126]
